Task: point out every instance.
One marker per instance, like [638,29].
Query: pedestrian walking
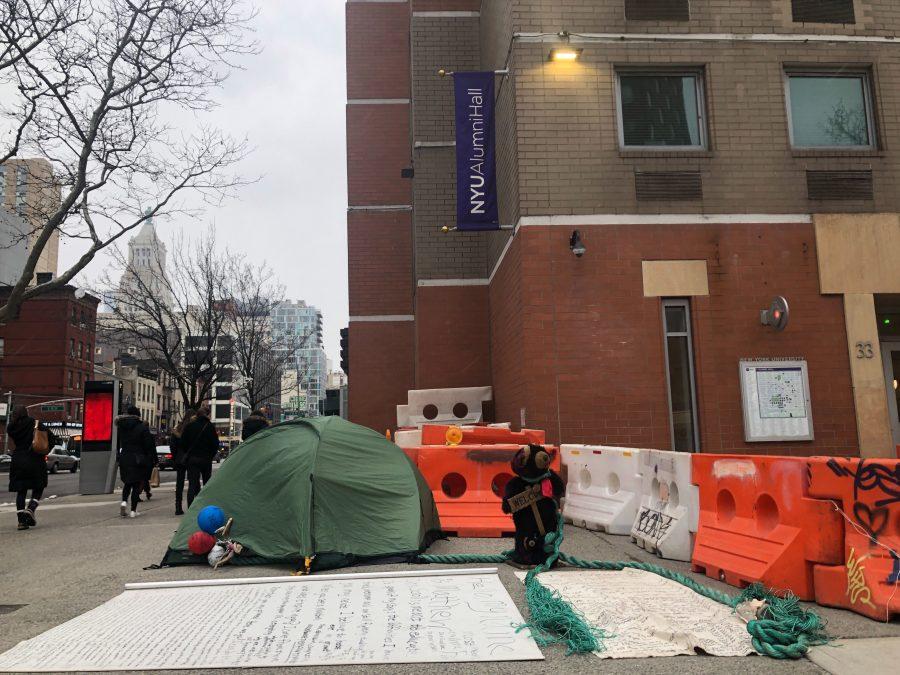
[136,452]
[28,468]
[179,457]
[255,422]
[201,442]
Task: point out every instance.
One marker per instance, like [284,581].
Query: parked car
[61,458]
[5,461]
[166,461]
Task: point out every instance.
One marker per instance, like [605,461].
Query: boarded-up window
[668,185]
[839,185]
[823,11]
[657,10]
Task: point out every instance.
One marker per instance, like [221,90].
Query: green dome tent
[320,487]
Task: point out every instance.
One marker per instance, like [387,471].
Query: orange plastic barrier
[868,492]
[758,523]
[467,482]
[436,434]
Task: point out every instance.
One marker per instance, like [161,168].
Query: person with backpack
[137,452]
[179,458]
[201,443]
[28,468]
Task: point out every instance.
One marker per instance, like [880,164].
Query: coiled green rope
[783,631]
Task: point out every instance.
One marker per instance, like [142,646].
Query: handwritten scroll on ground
[647,615]
[399,617]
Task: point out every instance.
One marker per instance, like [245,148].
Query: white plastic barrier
[666,521]
[408,438]
[604,488]
[461,405]
[403,416]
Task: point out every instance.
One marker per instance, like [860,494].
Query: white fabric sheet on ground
[393,617]
[647,615]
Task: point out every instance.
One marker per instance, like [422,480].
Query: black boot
[21,516]
[178,510]
[28,514]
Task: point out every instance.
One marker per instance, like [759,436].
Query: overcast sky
[289,101]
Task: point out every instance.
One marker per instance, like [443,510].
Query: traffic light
[345,350]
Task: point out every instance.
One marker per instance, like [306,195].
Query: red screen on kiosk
[98,417]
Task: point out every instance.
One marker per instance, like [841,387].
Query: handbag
[41,441]
[154,477]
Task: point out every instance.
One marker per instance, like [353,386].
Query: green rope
[783,631]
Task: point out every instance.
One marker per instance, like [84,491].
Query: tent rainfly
[322,488]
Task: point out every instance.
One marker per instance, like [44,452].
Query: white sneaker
[123,509]
[133,514]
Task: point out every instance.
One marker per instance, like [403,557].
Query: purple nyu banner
[476,179]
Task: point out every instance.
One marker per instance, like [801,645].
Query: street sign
[54,407]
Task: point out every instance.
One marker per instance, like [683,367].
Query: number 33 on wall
[864,350]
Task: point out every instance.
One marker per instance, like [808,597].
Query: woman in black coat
[28,470]
[137,451]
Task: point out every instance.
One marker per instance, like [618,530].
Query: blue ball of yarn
[210,519]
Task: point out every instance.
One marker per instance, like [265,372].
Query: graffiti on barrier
[866,478]
[857,590]
[653,524]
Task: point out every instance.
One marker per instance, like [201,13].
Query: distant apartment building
[664,170]
[29,191]
[146,269]
[303,386]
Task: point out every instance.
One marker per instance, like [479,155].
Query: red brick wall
[377,149]
[508,369]
[592,342]
[381,371]
[377,50]
[380,262]
[379,242]
[452,337]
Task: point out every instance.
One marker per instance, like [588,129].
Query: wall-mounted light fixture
[575,243]
[563,54]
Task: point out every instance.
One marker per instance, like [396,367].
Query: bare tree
[87,85]
[261,355]
[177,320]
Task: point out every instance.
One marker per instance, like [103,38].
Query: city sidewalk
[82,553]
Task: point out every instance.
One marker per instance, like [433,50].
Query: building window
[661,110]
[78,381]
[823,11]
[70,379]
[80,350]
[2,345]
[657,10]
[830,109]
[679,352]
[72,347]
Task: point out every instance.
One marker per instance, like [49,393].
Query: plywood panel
[858,253]
[674,278]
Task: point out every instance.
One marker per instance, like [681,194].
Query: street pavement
[82,553]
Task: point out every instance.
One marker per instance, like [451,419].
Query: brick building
[709,155]
[46,354]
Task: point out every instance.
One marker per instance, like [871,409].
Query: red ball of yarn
[201,543]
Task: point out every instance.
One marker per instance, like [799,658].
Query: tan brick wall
[873,17]
[568,147]
[452,255]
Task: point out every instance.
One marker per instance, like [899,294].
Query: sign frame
[759,429]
